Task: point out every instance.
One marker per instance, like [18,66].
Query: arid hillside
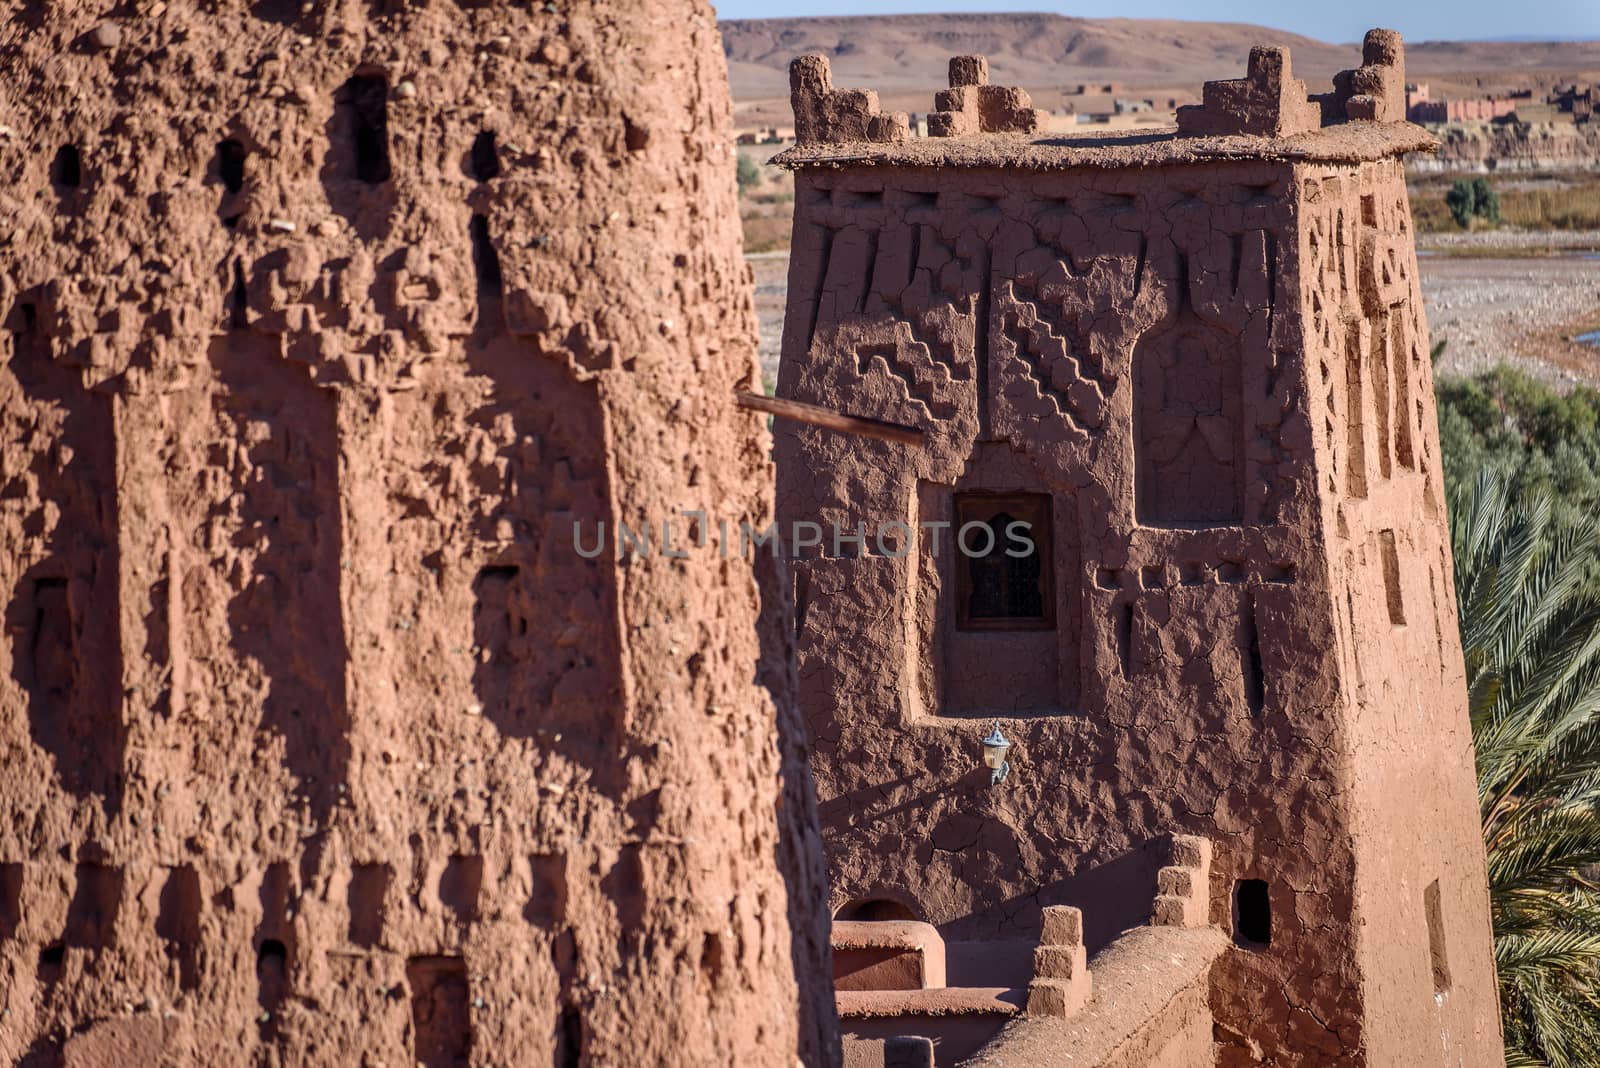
[1043,52]
[1037,50]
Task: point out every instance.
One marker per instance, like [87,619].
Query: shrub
[749,173]
[1463,202]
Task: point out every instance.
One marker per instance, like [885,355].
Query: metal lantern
[995,748]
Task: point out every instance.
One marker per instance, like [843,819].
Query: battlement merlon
[1268,101]
[1267,114]
[824,114]
[1374,91]
[972,106]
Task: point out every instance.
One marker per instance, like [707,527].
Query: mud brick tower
[322,324]
[1196,363]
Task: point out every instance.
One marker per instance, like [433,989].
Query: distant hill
[1041,52]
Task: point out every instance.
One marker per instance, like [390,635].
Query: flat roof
[1346,142]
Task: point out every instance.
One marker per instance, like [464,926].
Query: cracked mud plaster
[1208,355]
[322,324]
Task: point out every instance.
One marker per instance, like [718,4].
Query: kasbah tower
[1196,364]
[322,323]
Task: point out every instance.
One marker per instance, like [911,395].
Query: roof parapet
[1268,101]
[1374,91]
[823,113]
[971,105]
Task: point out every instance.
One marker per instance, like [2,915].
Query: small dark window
[67,170]
[230,165]
[1252,913]
[569,1038]
[365,101]
[1389,550]
[1003,562]
[1438,956]
[485,260]
[272,956]
[238,299]
[485,157]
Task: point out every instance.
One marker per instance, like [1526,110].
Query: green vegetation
[1530,435]
[1472,200]
[1534,202]
[1530,629]
[749,174]
[1519,473]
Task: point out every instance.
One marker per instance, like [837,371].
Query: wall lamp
[995,748]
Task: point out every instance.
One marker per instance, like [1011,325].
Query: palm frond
[1530,631]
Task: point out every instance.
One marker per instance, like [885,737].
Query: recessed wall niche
[997,551]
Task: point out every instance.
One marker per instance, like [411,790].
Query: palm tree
[1530,628]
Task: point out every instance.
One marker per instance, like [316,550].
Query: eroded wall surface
[1419,878]
[1160,351]
[322,326]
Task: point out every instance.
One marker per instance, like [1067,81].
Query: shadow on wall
[544,618]
[544,627]
[66,652]
[799,847]
[286,612]
[356,171]
[1114,896]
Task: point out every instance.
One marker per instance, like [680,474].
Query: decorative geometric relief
[1188,429]
[893,347]
[1385,279]
[1055,370]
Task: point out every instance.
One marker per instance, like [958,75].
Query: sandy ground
[1522,307]
[772,288]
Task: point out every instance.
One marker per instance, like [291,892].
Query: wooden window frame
[1034,508]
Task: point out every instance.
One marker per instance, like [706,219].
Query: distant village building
[766,135]
[1578,101]
[1421,107]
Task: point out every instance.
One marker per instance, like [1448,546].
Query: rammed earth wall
[1199,359]
[322,323]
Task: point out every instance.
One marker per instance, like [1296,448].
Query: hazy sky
[1343,20]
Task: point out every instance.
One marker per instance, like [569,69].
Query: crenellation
[1270,102]
[1267,102]
[1062,981]
[972,106]
[823,113]
[1374,91]
[1183,892]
